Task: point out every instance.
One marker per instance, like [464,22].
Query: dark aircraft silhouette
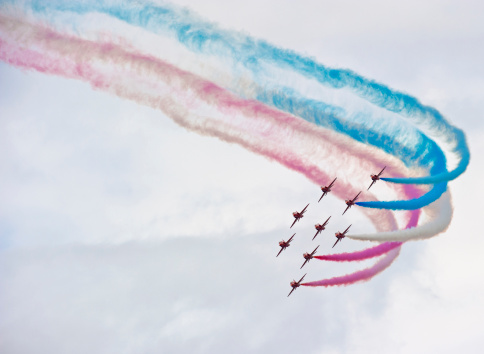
[308,256]
[298,215]
[284,245]
[326,189]
[351,202]
[375,178]
[296,284]
[340,235]
[320,227]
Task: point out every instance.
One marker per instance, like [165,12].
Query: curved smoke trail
[204,37]
[315,144]
[439,214]
[212,90]
[77,67]
[361,275]
[389,250]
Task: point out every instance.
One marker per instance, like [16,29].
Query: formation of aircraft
[375,178]
[340,235]
[296,284]
[298,215]
[308,256]
[326,189]
[350,202]
[320,227]
[284,245]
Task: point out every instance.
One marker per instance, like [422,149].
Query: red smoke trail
[361,275]
[389,249]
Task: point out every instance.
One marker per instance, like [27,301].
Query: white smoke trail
[437,220]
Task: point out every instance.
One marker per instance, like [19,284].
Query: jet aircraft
[296,284]
[298,215]
[308,256]
[375,178]
[351,202]
[284,245]
[320,227]
[326,189]
[340,235]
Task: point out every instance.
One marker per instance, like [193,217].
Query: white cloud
[110,242]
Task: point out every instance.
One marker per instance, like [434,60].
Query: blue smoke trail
[424,150]
[207,38]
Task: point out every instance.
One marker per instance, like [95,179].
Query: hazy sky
[121,232]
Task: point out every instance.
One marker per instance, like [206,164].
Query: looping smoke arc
[253,108]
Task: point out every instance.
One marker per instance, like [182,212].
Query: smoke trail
[259,129]
[384,249]
[361,275]
[361,255]
[207,38]
[436,156]
[425,151]
[76,67]
[439,214]
[381,249]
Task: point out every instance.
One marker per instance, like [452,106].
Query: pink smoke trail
[381,249]
[260,129]
[361,255]
[390,249]
[361,275]
[76,67]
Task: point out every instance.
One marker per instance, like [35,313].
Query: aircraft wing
[324,193]
[372,183]
[326,221]
[381,171]
[304,209]
[347,229]
[345,211]
[294,222]
[336,242]
[291,291]
[300,280]
[290,238]
[317,233]
[331,185]
[304,263]
[282,249]
[313,252]
[354,199]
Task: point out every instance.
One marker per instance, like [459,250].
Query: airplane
[375,178]
[326,189]
[320,227]
[351,202]
[284,245]
[308,256]
[296,284]
[298,215]
[340,235]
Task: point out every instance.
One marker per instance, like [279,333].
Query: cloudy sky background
[121,232]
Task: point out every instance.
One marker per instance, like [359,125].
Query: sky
[122,232]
